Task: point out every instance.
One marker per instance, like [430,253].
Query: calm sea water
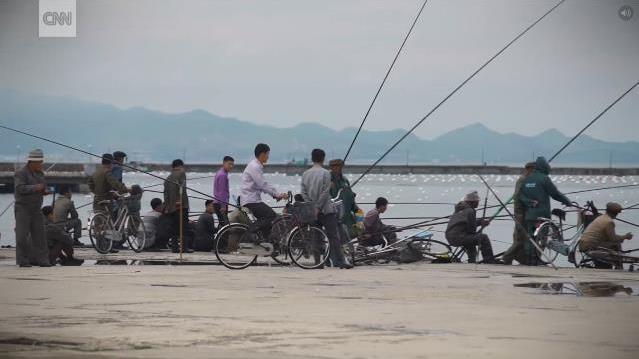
[447,189]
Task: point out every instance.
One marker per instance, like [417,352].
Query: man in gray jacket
[316,185]
[30,187]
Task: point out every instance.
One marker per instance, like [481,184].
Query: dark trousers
[222,217]
[174,232]
[264,215]
[520,237]
[31,244]
[62,250]
[470,241]
[76,225]
[329,222]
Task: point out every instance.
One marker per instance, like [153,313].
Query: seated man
[601,234]
[205,229]
[65,213]
[151,221]
[59,241]
[462,230]
[374,229]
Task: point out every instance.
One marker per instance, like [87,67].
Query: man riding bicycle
[252,187]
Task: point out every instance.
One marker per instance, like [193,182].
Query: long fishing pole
[381,85]
[123,165]
[516,223]
[582,131]
[626,222]
[455,91]
[605,188]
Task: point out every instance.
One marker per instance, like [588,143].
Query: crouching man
[601,234]
[462,230]
[59,241]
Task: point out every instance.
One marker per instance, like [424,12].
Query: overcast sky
[285,62]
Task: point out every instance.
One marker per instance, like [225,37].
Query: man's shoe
[346,266]
[113,250]
[188,250]
[45,265]
[77,243]
[25,265]
[72,262]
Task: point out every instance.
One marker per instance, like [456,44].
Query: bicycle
[422,243]
[103,230]
[238,248]
[549,235]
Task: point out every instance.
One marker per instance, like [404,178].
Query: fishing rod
[455,91]
[121,164]
[390,68]
[516,223]
[582,131]
[626,222]
[605,188]
[189,179]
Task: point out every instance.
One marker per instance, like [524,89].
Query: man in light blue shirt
[316,186]
[253,185]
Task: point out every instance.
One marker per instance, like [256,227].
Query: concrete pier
[389,311]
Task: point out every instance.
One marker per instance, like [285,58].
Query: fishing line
[390,68]
[454,91]
[582,131]
[121,164]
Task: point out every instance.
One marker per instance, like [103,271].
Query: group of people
[46,235]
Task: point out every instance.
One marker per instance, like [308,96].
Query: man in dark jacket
[205,229]
[58,239]
[535,195]
[340,183]
[103,182]
[520,234]
[30,187]
[462,230]
[173,202]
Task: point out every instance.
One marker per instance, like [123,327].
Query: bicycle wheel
[280,230]
[228,246]
[545,233]
[135,233]
[432,249]
[101,233]
[308,247]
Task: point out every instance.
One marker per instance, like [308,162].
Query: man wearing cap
[103,182]
[462,230]
[520,235]
[116,168]
[339,182]
[601,233]
[30,187]
[535,194]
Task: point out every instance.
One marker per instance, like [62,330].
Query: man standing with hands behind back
[30,187]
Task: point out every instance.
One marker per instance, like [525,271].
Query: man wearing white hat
[462,230]
[30,187]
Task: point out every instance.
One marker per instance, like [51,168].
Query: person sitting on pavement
[375,231]
[535,195]
[151,222]
[601,234]
[64,212]
[59,241]
[205,229]
[462,230]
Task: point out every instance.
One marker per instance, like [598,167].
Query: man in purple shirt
[221,192]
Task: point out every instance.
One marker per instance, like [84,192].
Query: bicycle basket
[303,212]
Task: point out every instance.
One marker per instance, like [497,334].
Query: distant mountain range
[204,137]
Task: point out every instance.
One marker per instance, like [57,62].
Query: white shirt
[253,184]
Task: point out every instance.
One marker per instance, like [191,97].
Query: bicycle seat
[105,202]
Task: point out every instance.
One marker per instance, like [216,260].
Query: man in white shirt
[253,185]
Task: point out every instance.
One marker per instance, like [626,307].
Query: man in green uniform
[339,182]
[535,195]
[30,187]
[520,235]
[103,182]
